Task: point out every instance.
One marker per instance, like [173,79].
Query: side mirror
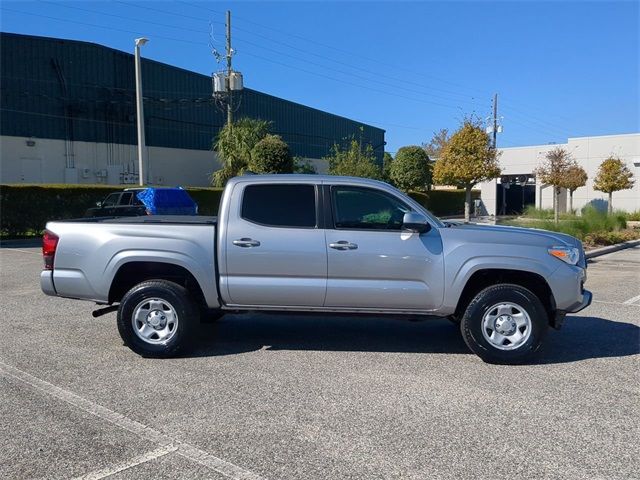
[98,204]
[415,222]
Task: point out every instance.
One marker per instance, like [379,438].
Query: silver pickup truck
[312,243]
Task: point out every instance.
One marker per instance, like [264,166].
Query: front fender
[458,273]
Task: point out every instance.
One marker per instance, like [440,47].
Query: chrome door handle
[246,242]
[343,245]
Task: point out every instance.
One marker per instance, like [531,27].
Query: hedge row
[444,203]
[25,209]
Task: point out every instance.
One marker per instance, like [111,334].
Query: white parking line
[221,466]
[37,252]
[633,300]
[135,461]
[616,303]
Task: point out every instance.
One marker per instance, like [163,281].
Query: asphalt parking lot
[289,397]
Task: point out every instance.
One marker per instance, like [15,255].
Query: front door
[372,263]
[275,250]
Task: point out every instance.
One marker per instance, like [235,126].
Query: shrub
[610,238]
[633,216]
[410,170]
[592,220]
[303,166]
[355,161]
[538,213]
[271,155]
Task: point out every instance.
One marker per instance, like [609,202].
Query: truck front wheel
[157,318]
[504,324]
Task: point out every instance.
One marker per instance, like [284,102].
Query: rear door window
[125,199]
[280,205]
[111,200]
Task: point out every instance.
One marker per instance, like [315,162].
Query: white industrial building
[522,188]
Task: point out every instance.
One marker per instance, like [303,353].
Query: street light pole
[140,109]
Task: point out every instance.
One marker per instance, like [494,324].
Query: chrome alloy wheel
[506,326]
[154,321]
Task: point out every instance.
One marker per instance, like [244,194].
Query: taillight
[49,244]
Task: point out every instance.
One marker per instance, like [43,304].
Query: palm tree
[234,144]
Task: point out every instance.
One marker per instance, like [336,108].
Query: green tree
[271,155]
[387,160]
[554,171]
[411,169]
[234,145]
[437,143]
[613,175]
[304,166]
[576,178]
[466,159]
[354,161]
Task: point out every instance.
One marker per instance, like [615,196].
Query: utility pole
[495,120]
[229,70]
[227,81]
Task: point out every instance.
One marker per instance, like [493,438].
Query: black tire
[484,303]
[176,299]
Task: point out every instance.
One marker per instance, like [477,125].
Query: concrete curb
[21,243]
[596,252]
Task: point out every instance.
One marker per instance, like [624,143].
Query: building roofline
[146,59]
[539,145]
[605,136]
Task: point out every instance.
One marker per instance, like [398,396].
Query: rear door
[109,205]
[372,263]
[275,248]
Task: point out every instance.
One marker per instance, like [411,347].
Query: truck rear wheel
[157,318]
[504,324]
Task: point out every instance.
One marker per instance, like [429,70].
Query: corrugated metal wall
[72,90]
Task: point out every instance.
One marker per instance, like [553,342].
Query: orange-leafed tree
[613,175]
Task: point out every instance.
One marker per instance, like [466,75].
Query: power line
[357,55]
[250,54]
[260,46]
[346,82]
[152,9]
[395,86]
[149,22]
[251,32]
[349,65]
[97,26]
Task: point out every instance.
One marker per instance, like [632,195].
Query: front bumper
[583,303]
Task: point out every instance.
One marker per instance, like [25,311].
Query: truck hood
[519,235]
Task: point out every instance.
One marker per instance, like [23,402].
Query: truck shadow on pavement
[580,338]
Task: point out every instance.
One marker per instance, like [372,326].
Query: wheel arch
[132,273]
[532,281]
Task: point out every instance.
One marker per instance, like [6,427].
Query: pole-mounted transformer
[225,83]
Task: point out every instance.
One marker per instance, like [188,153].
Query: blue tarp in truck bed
[168,201]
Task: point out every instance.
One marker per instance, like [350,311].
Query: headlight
[569,255]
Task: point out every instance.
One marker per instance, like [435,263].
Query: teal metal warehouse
[75,91]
